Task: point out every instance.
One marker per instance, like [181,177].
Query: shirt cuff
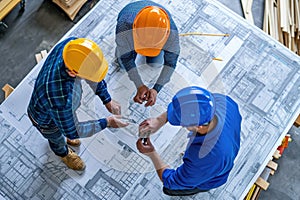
[105,101]
[165,176]
[103,123]
[157,87]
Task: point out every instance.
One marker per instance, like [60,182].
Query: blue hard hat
[191,106]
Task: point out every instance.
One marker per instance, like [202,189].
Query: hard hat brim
[148,52]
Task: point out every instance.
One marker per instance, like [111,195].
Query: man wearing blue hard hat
[214,123]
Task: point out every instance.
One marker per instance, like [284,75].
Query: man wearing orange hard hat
[57,94]
[147,28]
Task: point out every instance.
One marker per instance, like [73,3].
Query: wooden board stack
[282,21]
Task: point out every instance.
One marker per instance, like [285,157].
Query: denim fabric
[56,139]
[156,61]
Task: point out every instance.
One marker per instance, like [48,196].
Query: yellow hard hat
[85,58]
[151,30]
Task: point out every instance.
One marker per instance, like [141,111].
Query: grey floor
[42,24]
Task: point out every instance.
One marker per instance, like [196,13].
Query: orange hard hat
[85,58]
[151,30]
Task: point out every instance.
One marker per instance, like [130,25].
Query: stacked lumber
[70,7]
[282,21]
[262,181]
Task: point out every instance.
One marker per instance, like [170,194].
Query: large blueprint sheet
[257,72]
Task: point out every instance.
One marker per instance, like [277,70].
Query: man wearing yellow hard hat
[57,94]
[146,28]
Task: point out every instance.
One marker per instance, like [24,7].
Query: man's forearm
[158,163]
[164,77]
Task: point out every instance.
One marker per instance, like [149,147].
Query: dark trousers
[182,192]
[56,139]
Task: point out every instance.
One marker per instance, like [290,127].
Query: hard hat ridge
[151,30]
[85,57]
[191,106]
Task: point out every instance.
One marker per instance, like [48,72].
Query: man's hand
[145,147]
[115,121]
[141,94]
[151,97]
[149,150]
[113,107]
[151,125]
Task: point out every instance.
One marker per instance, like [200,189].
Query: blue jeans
[56,139]
[182,192]
[156,61]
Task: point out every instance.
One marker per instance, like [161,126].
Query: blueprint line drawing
[259,73]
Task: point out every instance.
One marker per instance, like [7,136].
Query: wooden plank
[44,53]
[38,57]
[3,4]
[276,25]
[272,165]
[247,5]
[5,10]
[250,193]
[271,19]
[73,10]
[256,193]
[280,34]
[263,184]
[283,15]
[297,122]
[8,89]
[266,16]
[297,15]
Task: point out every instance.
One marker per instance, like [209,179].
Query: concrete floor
[42,24]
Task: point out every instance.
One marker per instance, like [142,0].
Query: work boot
[74,143]
[73,161]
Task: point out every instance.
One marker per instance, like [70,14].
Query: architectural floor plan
[259,73]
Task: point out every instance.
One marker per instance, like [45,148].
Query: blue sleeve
[188,175]
[67,122]
[171,54]
[100,90]
[125,52]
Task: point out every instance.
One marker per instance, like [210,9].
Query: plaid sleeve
[66,120]
[102,92]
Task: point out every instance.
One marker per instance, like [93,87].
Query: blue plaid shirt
[125,47]
[56,96]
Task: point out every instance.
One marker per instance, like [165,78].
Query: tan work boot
[73,161]
[74,143]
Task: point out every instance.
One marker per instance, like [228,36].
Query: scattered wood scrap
[7,89]
[40,56]
[70,7]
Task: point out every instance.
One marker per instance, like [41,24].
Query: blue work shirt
[56,96]
[209,158]
[125,46]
